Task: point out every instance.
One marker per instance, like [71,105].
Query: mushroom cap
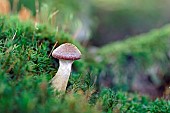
[67,51]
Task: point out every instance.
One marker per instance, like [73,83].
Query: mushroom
[66,53]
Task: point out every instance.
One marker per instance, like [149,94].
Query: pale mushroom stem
[60,80]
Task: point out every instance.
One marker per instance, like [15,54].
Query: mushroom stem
[60,80]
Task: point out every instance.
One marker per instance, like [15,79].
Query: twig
[53,17]
[14,35]
[53,48]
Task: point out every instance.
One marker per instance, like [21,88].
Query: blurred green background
[104,21]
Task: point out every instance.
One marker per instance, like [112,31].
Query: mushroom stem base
[60,80]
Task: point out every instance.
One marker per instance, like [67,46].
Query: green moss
[128,103]
[26,48]
[26,68]
[147,47]
[32,94]
[137,56]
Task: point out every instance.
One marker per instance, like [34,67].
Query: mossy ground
[26,68]
[139,56]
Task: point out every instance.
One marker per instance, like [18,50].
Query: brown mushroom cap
[67,51]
